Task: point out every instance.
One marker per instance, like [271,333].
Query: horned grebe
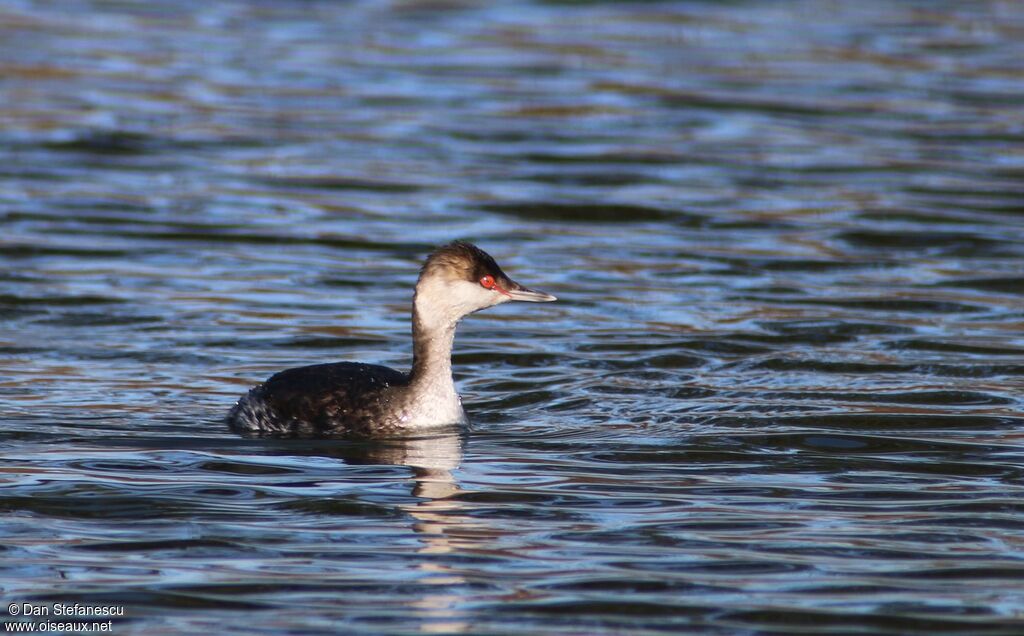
[366,400]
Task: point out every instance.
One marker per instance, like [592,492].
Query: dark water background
[781,392]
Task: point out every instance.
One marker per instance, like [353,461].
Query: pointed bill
[518,292]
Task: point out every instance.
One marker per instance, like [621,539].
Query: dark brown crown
[460,259]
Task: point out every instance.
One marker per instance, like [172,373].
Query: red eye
[487,282]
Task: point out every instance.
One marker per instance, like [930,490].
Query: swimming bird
[366,400]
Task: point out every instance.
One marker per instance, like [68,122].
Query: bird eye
[487,282]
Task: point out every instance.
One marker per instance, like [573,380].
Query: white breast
[434,403]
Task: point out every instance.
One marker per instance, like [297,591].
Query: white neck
[432,349]
[435,400]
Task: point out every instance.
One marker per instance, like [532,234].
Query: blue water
[781,391]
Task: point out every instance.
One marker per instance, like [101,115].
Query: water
[781,392]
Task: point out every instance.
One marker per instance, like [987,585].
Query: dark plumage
[314,400]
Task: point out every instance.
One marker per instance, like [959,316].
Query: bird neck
[432,340]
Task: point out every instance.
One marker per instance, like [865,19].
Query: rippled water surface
[781,392]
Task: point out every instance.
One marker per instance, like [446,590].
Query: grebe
[368,400]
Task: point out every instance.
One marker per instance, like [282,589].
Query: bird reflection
[432,459]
